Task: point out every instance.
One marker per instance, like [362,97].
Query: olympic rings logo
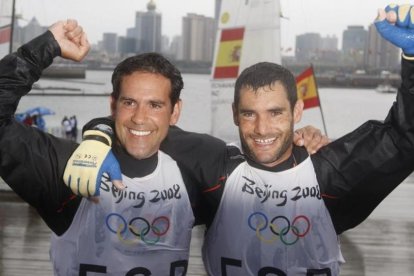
[280,227]
[139,228]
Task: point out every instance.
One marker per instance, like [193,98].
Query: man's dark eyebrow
[126,98]
[161,102]
[275,109]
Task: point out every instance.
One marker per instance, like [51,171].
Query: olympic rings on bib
[139,227]
[280,227]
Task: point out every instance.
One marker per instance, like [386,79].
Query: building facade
[198,37]
[147,30]
[354,40]
[307,47]
[109,43]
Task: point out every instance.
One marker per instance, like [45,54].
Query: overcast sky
[328,17]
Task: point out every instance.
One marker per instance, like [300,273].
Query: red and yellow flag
[306,87]
[228,55]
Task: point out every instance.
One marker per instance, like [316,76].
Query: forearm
[378,144]
[18,71]
[401,115]
[357,171]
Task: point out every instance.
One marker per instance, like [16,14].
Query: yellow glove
[92,158]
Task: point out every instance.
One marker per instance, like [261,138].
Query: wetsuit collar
[298,155]
[133,167]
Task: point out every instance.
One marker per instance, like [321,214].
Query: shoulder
[179,141]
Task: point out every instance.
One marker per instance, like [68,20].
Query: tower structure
[147,29]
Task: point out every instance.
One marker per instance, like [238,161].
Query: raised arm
[356,172]
[31,160]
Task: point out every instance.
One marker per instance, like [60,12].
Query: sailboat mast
[12,26]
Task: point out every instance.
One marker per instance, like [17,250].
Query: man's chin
[267,162]
[262,159]
[139,154]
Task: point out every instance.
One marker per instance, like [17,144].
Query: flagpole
[319,99]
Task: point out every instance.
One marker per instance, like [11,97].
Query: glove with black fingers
[92,158]
[396,24]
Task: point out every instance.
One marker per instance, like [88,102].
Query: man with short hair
[144,230]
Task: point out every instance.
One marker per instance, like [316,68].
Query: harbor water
[343,109]
[382,245]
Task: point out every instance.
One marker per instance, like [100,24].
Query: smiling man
[272,199]
[155,213]
[287,207]
[145,229]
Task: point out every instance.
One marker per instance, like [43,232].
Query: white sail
[6,12]
[248,32]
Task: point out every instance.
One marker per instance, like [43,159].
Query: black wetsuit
[32,162]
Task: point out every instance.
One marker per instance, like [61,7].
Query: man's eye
[275,113]
[155,105]
[128,103]
[247,114]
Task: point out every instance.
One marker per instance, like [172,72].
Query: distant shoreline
[332,80]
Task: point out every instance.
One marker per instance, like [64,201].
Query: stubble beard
[286,144]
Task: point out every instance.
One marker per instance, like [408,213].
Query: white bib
[272,223]
[144,230]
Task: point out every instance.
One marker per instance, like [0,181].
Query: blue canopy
[40,110]
[33,116]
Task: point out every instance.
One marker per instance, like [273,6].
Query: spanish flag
[306,88]
[229,53]
[308,91]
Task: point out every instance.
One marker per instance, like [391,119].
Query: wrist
[97,135]
[107,129]
[408,56]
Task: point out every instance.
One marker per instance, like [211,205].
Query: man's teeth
[265,141]
[140,132]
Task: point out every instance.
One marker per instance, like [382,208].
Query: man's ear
[113,106]
[298,111]
[176,112]
[235,114]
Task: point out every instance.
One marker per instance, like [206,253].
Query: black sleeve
[357,171]
[20,70]
[203,161]
[200,155]
[32,162]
